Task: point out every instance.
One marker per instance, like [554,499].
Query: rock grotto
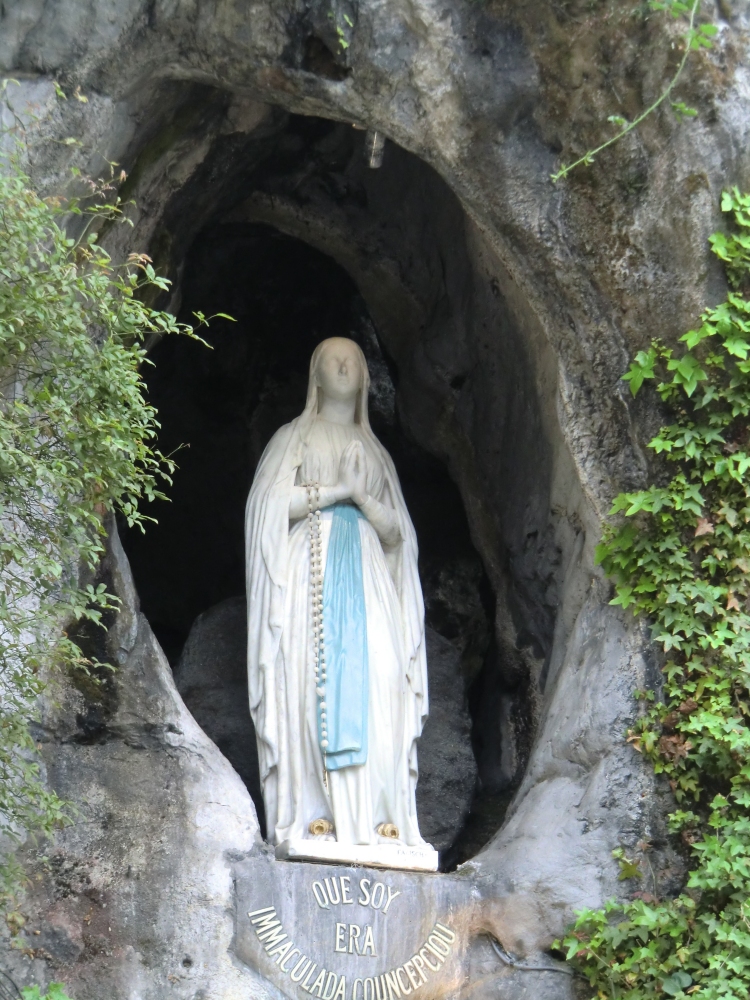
[497,312]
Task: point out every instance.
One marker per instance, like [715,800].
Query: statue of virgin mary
[336,646]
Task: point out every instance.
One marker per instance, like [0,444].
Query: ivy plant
[77,439]
[681,557]
[55,991]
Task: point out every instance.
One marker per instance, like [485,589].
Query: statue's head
[339,368]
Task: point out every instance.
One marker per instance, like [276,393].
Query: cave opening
[286,229]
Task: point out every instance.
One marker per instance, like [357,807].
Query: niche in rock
[219,407]
[283,225]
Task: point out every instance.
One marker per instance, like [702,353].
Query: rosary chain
[316,600]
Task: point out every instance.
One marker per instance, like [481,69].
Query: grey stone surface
[447,769]
[509,307]
[135,898]
[211,677]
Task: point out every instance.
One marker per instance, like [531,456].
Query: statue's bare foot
[321,829]
[388,834]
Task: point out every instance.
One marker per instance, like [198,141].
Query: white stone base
[420,859]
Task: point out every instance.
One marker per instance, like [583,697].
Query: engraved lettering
[331,884]
[296,978]
[345,897]
[391,896]
[438,944]
[332,981]
[270,930]
[368,942]
[425,958]
[340,934]
[423,954]
[446,933]
[288,958]
[393,987]
[320,895]
[403,987]
[437,954]
[409,970]
[318,984]
[364,886]
[352,939]
[307,977]
[418,964]
[280,950]
[272,936]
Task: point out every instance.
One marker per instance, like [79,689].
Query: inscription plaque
[345,933]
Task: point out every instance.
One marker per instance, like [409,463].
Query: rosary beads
[316,600]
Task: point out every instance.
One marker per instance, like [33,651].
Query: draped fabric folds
[279,666]
[345,620]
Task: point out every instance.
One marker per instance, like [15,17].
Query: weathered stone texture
[508,307]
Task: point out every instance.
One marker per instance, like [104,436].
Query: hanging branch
[694,38]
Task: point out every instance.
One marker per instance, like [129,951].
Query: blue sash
[345,625]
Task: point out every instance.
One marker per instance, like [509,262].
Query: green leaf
[56,991]
[683,110]
[687,372]
[737,346]
[676,983]
[628,869]
[641,368]
[694,337]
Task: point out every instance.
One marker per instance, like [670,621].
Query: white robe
[283,702]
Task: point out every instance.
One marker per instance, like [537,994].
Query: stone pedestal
[398,856]
[338,932]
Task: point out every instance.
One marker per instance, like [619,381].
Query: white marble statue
[336,646]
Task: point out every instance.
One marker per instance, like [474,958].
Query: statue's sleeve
[403,562]
[384,520]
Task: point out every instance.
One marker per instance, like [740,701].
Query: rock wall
[509,307]
[136,898]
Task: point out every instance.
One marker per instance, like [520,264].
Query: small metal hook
[509,960]
[8,989]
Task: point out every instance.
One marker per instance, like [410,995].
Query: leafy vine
[77,439]
[682,558]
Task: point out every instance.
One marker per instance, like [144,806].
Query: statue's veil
[266,535]
[312,404]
